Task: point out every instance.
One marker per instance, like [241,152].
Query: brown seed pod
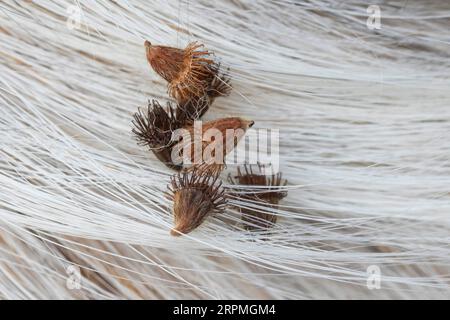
[191,73]
[195,195]
[155,127]
[257,219]
[206,145]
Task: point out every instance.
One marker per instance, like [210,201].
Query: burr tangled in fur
[154,128]
[257,218]
[191,73]
[195,195]
[206,145]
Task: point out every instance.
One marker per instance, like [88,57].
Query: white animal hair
[364,119]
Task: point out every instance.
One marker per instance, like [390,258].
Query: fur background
[364,120]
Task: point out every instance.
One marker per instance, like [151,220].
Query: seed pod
[254,218]
[155,127]
[190,73]
[195,195]
[205,145]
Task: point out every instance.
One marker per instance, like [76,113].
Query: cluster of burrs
[194,80]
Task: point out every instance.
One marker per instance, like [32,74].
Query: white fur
[364,119]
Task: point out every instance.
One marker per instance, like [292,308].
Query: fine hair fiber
[363,113]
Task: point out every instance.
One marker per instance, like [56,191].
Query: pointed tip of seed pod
[247,123]
[174,232]
[147,44]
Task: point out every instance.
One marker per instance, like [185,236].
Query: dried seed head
[170,63]
[255,218]
[224,124]
[209,143]
[190,73]
[154,128]
[195,195]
